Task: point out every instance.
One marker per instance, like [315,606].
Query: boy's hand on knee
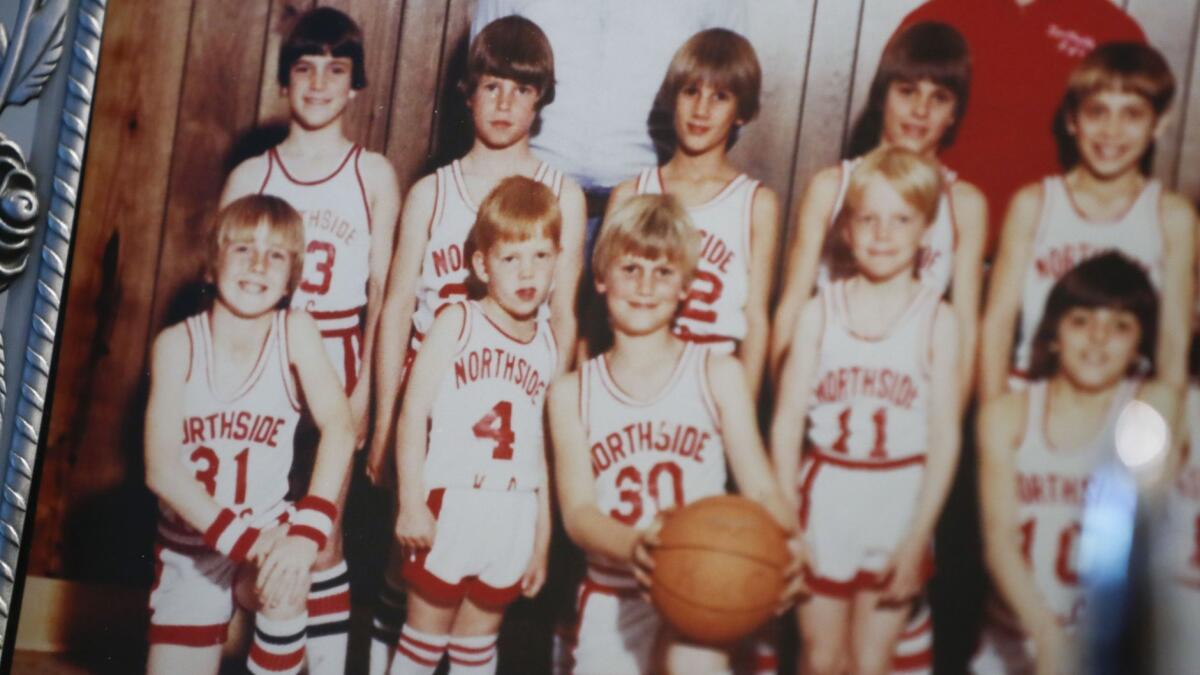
[903,573]
[266,541]
[535,575]
[415,527]
[284,575]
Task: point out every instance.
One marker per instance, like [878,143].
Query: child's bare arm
[1004,291]
[590,529]
[803,259]
[415,524]
[764,238]
[567,271]
[1178,291]
[395,318]
[1000,424]
[245,179]
[969,207]
[383,194]
[623,191]
[535,573]
[743,446]
[792,397]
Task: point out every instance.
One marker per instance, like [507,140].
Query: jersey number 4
[322,266]
[207,475]
[497,426]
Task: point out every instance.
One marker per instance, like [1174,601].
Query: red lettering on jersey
[629,486]
[927,258]
[715,251]
[1050,488]
[600,459]
[495,363]
[326,220]
[896,388]
[447,260]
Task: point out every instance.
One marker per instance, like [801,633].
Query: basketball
[720,569]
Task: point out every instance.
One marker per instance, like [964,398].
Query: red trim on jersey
[270,168]
[188,635]
[283,167]
[1107,221]
[460,184]
[279,662]
[412,656]
[439,202]
[338,314]
[748,226]
[223,520]
[824,455]
[683,333]
[726,190]
[706,392]
[241,548]
[614,389]
[925,342]
[285,362]
[843,312]
[362,188]
[948,180]
[503,332]
[187,325]
[338,603]
[260,362]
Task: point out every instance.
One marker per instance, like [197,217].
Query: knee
[872,662]
[824,659]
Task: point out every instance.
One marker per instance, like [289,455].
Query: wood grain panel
[411,125]
[272,106]
[221,85]
[367,117]
[1168,26]
[780,34]
[114,266]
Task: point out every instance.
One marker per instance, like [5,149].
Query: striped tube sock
[385,629]
[328,620]
[475,655]
[417,653]
[278,646]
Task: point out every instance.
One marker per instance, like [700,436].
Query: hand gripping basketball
[719,569]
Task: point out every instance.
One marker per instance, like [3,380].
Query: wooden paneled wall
[188,86]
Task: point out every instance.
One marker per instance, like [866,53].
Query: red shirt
[1021,58]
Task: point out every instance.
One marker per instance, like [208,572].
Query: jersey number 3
[497,426]
[323,266]
[207,476]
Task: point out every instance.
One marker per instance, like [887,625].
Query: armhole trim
[191,350]
[706,388]
[285,360]
[439,202]
[270,167]
[362,188]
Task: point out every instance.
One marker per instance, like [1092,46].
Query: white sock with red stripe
[328,620]
[766,658]
[385,628]
[417,653]
[474,655]
[278,645]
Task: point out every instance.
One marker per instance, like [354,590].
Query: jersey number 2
[497,426]
[207,476]
[696,296]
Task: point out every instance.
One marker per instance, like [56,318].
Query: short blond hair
[518,208]
[648,226]
[239,220]
[916,178]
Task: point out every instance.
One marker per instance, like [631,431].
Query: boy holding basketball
[871,368]
[349,201]
[645,427]
[1113,109]
[711,90]
[232,378]
[474,510]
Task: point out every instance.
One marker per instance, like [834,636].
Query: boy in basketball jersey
[871,368]
[644,427]
[1041,449]
[1113,109]
[225,392]
[474,518]
[349,201]
[916,101]
[711,90]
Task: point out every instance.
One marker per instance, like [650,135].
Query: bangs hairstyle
[722,59]
[518,208]
[239,220]
[648,226]
[323,31]
[512,48]
[925,51]
[1107,281]
[1125,67]
[917,179]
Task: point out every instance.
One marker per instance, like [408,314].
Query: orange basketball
[720,569]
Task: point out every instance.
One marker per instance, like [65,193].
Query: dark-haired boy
[349,200]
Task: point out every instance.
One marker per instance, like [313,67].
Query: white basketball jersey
[870,398]
[648,456]
[486,427]
[1052,485]
[337,233]
[238,446]
[715,306]
[1066,238]
[444,267]
[1183,504]
[935,259]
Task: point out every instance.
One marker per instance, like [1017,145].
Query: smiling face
[917,114]
[503,110]
[884,231]
[705,116]
[252,273]
[518,273]
[642,294]
[1096,346]
[319,88]
[1112,130]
